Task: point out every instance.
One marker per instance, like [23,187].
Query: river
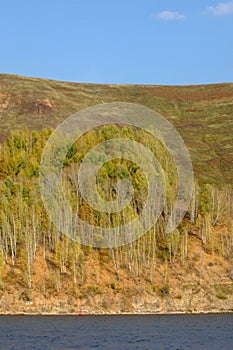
[162,332]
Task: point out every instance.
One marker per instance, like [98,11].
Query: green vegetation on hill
[36,258]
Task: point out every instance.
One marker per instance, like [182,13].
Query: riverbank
[195,299]
[99,313]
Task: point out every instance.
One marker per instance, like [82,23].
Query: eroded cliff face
[106,304]
[203,284]
[184,298]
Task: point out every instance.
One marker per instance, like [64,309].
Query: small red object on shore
[80,313]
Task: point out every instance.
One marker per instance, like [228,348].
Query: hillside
[189,270]
[202,114]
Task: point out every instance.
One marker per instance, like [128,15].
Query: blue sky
[124,41]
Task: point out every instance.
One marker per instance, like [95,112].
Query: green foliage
[114,286]
[221,296]
[25,226]
[164,291]
[92,290]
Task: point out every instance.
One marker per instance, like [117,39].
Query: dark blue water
[213,332]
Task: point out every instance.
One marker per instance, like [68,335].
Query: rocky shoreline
[112,313]
[192,301]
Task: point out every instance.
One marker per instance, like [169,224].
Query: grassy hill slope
[202,114]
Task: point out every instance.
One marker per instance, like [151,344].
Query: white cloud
[223,8]
[170,15]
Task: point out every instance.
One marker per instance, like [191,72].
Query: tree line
[25,228]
